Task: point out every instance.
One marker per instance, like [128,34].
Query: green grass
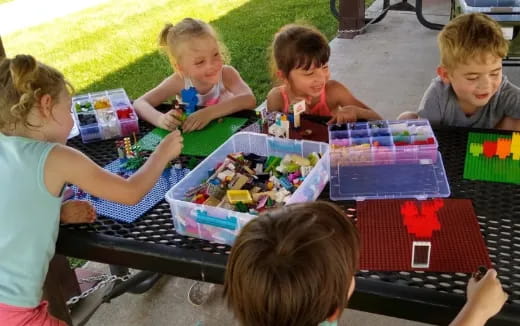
[107,47]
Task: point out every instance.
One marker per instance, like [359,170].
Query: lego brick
[386,243]
[491,157]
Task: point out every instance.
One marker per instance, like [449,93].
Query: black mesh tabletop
[151,243]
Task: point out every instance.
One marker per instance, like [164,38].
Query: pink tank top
[320,108]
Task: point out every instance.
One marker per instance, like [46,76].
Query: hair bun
[24,69]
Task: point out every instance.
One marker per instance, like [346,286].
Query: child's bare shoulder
[229,74]
[335,86]
[275,99]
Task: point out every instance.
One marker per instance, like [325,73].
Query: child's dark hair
[297,46]
[292,266]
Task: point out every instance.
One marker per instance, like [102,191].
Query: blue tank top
[29,219]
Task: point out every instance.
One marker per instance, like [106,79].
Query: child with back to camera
[470,90]
[295,266]
[35,165]
[300,56]
[198,59]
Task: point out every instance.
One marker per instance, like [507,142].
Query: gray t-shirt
[439,105]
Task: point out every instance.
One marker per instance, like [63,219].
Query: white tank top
[212,96]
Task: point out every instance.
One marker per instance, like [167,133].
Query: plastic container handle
[278,145]
[229,223]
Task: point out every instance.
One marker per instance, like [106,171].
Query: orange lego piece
[503,147]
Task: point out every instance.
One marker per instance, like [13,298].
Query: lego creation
[130,213]
[200,142]
[493,157]
[104,115]
[311,127]
[386,241]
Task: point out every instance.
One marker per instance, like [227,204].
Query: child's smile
[474,82]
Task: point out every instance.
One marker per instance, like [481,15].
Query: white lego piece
[298,109]
[421,254]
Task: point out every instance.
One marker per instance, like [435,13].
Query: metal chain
[362,29]
[104,279]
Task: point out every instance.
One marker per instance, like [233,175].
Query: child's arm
[145,105]
[485,299]
[242,99]
[68,165]
[349,107]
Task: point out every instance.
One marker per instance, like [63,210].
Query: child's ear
[178,68]
[281,75]
[443,74]
[45,106]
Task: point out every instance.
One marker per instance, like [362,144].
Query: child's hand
[344,114]
[196,121]
[171,145]
[169,120]
[486,296]
[77,211]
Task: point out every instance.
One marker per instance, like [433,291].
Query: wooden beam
[2,50]
[351,17]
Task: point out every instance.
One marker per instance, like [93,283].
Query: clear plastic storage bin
[385,159]
[104,115]
[222,225]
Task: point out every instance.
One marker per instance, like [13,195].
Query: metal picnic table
[151,244]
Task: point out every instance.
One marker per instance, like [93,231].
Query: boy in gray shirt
[470,90]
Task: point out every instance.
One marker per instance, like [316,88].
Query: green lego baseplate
[501,163]
[201,142]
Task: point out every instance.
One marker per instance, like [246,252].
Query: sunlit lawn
[115,44]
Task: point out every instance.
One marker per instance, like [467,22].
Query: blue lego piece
[130,213]
[190,100]
[285,183]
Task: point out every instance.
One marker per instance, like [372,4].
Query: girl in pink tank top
[301,56]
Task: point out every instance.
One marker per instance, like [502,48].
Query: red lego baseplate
[386,245]
[310,130]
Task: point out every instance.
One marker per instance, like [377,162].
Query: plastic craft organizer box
[221,225]
[385,159]
[116,118]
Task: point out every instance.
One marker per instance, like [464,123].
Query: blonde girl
[35,165]
[198,60]
[300,59]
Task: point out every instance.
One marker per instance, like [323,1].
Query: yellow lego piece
[235,196]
